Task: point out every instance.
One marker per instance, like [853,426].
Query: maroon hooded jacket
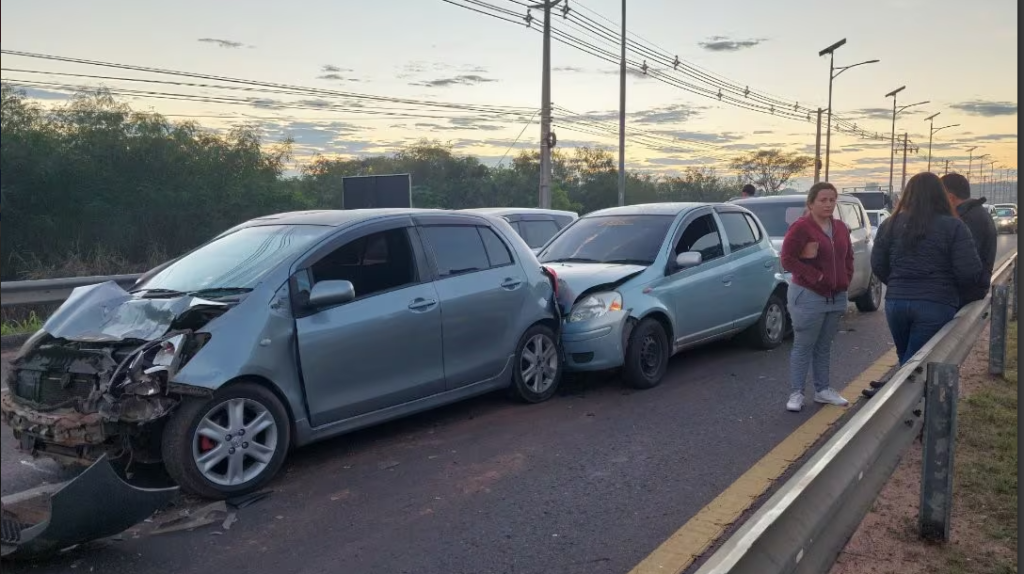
[830,272]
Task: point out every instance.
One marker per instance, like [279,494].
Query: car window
[497,251]
[851,216]
[239,259]
[373,263]
[457,249]
[737,230]
[537,233]
[1004,212]
[632,239]
[777,216]
[754,227]
[702,235]
[873,218]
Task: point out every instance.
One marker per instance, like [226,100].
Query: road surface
[589,482]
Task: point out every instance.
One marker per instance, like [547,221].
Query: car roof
[666,208]
[334,217]
[511,210]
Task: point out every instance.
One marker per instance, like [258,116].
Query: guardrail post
[941,397]
[1016,287]
[997,332]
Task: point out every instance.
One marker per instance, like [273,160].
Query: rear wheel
[229,445]
[770,328]
[538,367]
[871,300]
[647,355]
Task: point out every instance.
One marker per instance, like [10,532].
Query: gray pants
[815,324]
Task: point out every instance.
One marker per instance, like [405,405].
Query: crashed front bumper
[596,344]
[61,433]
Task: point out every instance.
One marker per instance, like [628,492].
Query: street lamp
[970,161]
[931,132]
[833,73]
[892,152]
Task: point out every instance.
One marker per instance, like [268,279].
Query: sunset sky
[961,57]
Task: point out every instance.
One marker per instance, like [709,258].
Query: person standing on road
[747,192]
[818,252]
[927,258]
[983,230]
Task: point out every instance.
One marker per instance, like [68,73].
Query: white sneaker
[796,402]
[830,397]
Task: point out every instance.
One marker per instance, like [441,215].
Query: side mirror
[330,293]
[688,259]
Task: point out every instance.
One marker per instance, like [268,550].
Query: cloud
[460,80]
[718,138]
[986,108]
[38,94]
[763,132]
[670,114]
[675,161]
[332,69]
[631,72]
[881,113]
[725,44]
[222,43]
[335,77]
[992,138]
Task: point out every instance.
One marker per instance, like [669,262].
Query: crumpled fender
[96,504]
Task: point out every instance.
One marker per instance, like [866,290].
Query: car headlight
[595,305]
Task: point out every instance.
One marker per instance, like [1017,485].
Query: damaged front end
[97,378]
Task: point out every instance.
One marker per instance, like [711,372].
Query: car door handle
[419,304]
[727,279]
[769,264]
[510,283]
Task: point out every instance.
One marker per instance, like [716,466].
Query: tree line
[94,187]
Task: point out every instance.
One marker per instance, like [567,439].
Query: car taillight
[554,278]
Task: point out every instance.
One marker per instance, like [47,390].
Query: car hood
[107,313]
[575,279]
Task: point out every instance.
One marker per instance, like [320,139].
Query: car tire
[871,300]
[182,444]
[771,327]
[647,354]
[548,367]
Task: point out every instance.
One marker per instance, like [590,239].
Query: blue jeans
[815,324]
[913,322]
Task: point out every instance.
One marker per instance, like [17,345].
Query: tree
[771,169]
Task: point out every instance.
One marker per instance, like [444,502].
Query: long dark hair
[922,200]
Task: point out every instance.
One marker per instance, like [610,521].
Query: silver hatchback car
[282,331]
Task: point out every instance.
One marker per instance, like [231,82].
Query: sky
[962,58]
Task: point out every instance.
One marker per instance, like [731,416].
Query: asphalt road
[589,482]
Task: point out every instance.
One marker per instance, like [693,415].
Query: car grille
[52,387]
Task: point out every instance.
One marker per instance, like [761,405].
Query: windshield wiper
[157,292]
[220,291]
[573,260]
[643,262]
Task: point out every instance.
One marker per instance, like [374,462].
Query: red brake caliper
[205,444]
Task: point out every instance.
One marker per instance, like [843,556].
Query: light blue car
[640,283]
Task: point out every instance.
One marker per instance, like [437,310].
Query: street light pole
[892,138]
[970,161]
[931,132]
[832,75]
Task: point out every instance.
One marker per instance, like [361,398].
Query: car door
[482,290]
[384,347]
[753,266]
[853,216]
[700,296]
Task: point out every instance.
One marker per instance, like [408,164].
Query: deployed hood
[574,279]
[106,313]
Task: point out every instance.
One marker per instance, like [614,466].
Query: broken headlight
[154,364]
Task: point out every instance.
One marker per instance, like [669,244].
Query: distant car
[535,226]
[640,283]
[876,217]
[1005,219]
[778,212]
[282,331]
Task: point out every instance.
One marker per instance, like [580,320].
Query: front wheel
[871,300]
[770,328]
[229,445]
[647,355]
[538,366]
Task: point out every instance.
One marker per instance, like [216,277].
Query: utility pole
[892,137]
[904,184]
[545,109]
[931,132]
[817,151]
[970,161]
[947,167]
[622,113]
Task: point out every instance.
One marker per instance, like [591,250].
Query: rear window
[1004,212]
[777,216]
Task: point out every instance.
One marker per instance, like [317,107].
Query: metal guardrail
[43,291]
[804,526]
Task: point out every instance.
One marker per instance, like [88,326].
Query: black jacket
[943,267]
[983,230]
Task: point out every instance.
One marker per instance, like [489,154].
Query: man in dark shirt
[983,229]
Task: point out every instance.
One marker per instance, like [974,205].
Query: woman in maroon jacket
[817,252]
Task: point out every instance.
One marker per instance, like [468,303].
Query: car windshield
[1004,212]
[235,262]
[632,239]
[777,216]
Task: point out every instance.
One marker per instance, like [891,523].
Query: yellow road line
[700,532]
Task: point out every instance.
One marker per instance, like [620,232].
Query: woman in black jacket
[926,257]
